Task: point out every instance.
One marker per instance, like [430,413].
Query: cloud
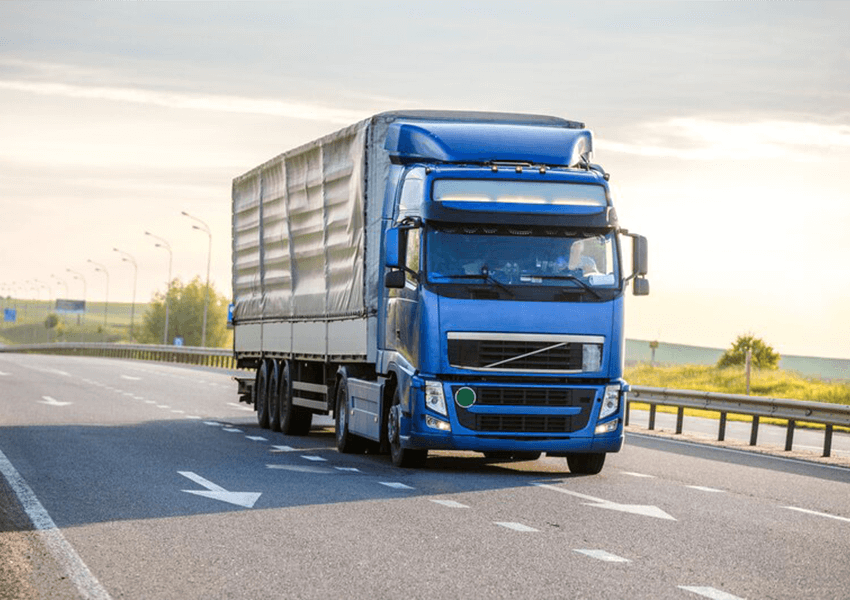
[701,139]
[182,100]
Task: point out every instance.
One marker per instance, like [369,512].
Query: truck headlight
[434,398]
[591,357]
[610,401]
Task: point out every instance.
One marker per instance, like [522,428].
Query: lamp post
[101,268]
[83,279]
[61,282]
[206,229]
[128,258]
[164,244]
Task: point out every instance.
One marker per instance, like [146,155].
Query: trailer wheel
[586,464]
[274,396]
[346,442]
[261,395]
[401,457]
[294,420]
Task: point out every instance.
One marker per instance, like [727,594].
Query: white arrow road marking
[216,492]
[637,509]
[53,402]
[818,514]
[131,378]
[602,555]
[709,592]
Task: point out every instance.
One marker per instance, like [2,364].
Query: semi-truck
[437,280]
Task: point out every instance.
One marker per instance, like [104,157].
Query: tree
[186,315]
[763,356]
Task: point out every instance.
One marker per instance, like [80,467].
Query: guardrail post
[721,434]
[827,442]
[754,434]
[680,419]
[789,435]
[628,411]
[652,408]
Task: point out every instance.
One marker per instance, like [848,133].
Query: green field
[94,326]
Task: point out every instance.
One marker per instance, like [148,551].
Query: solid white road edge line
[77,571]
[817,514]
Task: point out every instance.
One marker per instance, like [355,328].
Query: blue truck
[437,280]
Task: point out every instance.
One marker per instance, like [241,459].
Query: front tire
[401,457]
[346,442]
[586,464]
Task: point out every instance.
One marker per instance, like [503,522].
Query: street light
[100,267]
[167,246]
[128,258]
[83,279]
[62,282]
[206,229]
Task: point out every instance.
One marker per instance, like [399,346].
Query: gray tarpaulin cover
[300,228]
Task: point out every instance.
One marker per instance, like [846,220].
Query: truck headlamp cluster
[434,398]
[591,358]
[610,401]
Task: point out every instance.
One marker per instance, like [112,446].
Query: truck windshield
[521,256]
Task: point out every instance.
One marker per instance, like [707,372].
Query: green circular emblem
[465,397]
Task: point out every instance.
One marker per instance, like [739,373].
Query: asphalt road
[151,481]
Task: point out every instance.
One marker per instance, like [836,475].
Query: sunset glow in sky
[725,127]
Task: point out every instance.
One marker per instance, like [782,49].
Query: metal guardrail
[209,357]
[793,411]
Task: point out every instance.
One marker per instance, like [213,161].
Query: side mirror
[395,241]
[640,287]
[394,280]
[640,256]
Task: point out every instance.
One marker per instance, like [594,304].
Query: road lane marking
[313,458]
[77,571]
[2,374]
[517,527]
[602,555]
[216,492]
[162,406]
[234,405]
[52,402]
[131,378]
[642,475]
[705,489]
[301,469]
[179,412]
[637,509]
[818,514]
[709,592]
[256,438]
[348,469]
[212,423]
[231,430]
[449,503]
[282,449]
[396,485]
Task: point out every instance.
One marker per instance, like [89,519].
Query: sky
[725,127]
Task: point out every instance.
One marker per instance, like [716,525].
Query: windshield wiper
[483,275]
[578,280]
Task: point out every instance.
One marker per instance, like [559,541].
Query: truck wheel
[294,420]
[345,441]
[261,395]
[274,396]
[401,457]
[586,464]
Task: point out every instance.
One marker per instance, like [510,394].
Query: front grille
[515,355]
[520,396]
[494,396]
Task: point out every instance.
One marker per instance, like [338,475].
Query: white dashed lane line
[517,527]
[603,556]
[449,503]
[396,485]
[709,592]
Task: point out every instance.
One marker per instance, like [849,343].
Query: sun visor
[486,143]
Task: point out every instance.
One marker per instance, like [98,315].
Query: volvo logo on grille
[465,397]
